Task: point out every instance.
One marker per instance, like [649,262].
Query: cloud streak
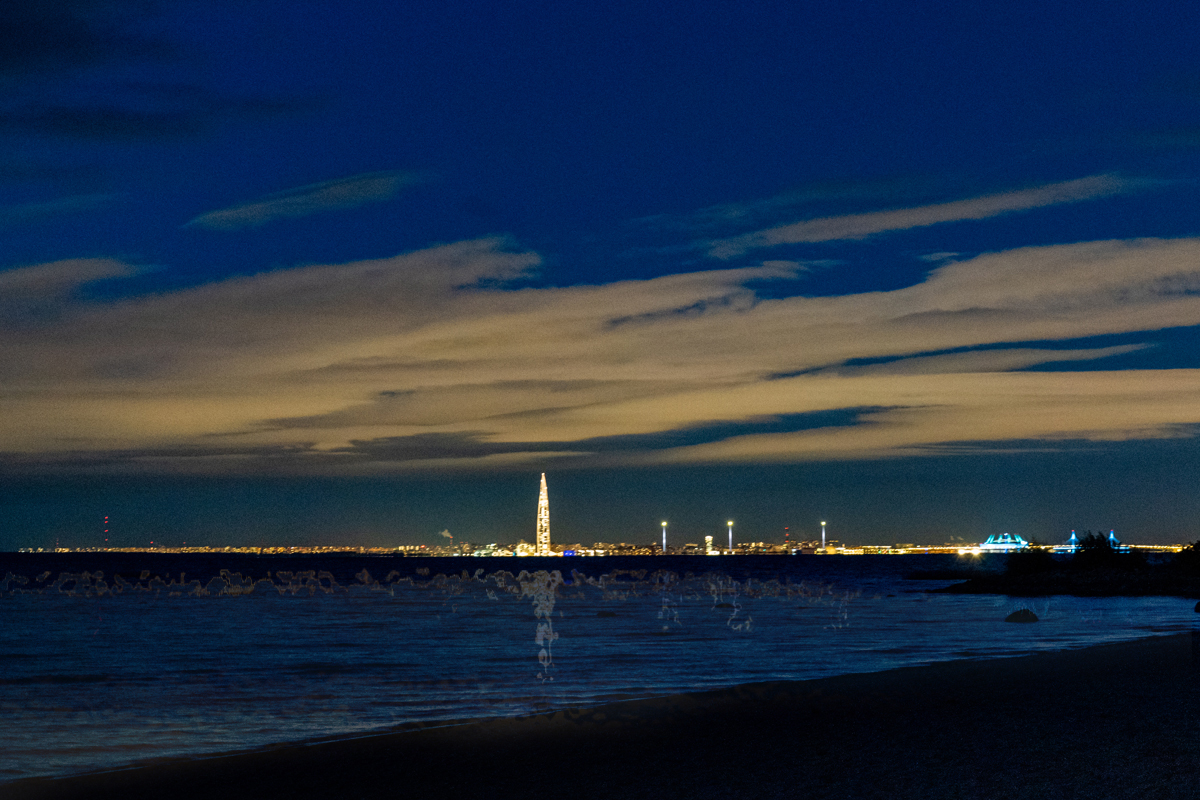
[351,192]
[427,360]
[860,226]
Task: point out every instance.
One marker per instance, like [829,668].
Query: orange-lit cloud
[431,358]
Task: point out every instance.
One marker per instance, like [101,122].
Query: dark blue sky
[775,261]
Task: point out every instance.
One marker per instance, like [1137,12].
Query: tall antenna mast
[543,521]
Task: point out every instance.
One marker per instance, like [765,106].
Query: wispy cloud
[998,360]
[48,280]
[426,358]
[860,226]
[357,190]
[726,216]
[956,409]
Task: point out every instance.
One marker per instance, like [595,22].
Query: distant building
[489,550]
[1115,543]
[1004,543]
[543,521]
[1071,546]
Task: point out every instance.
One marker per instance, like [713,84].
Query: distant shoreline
[595,551]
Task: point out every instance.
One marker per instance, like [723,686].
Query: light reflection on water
[92,681]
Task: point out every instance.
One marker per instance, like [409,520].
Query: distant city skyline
[708,549]
[387,512]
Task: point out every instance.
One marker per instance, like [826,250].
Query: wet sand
[1112,721]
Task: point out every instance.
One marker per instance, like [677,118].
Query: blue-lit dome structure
[1004,543]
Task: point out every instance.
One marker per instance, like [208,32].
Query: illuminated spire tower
[543,521]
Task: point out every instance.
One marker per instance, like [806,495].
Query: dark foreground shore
[1112,721]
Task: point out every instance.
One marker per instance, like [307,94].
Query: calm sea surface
[107,660]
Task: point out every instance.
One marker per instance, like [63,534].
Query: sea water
[112,661]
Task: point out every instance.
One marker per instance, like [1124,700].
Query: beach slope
[1112,721]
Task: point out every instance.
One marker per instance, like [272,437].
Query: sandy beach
[1119,720]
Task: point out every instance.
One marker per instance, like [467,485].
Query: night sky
[356,273]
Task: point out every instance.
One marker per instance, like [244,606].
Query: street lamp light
[822,534]
[664,527]
[730,524]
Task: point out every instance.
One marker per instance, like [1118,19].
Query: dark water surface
[109,659]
